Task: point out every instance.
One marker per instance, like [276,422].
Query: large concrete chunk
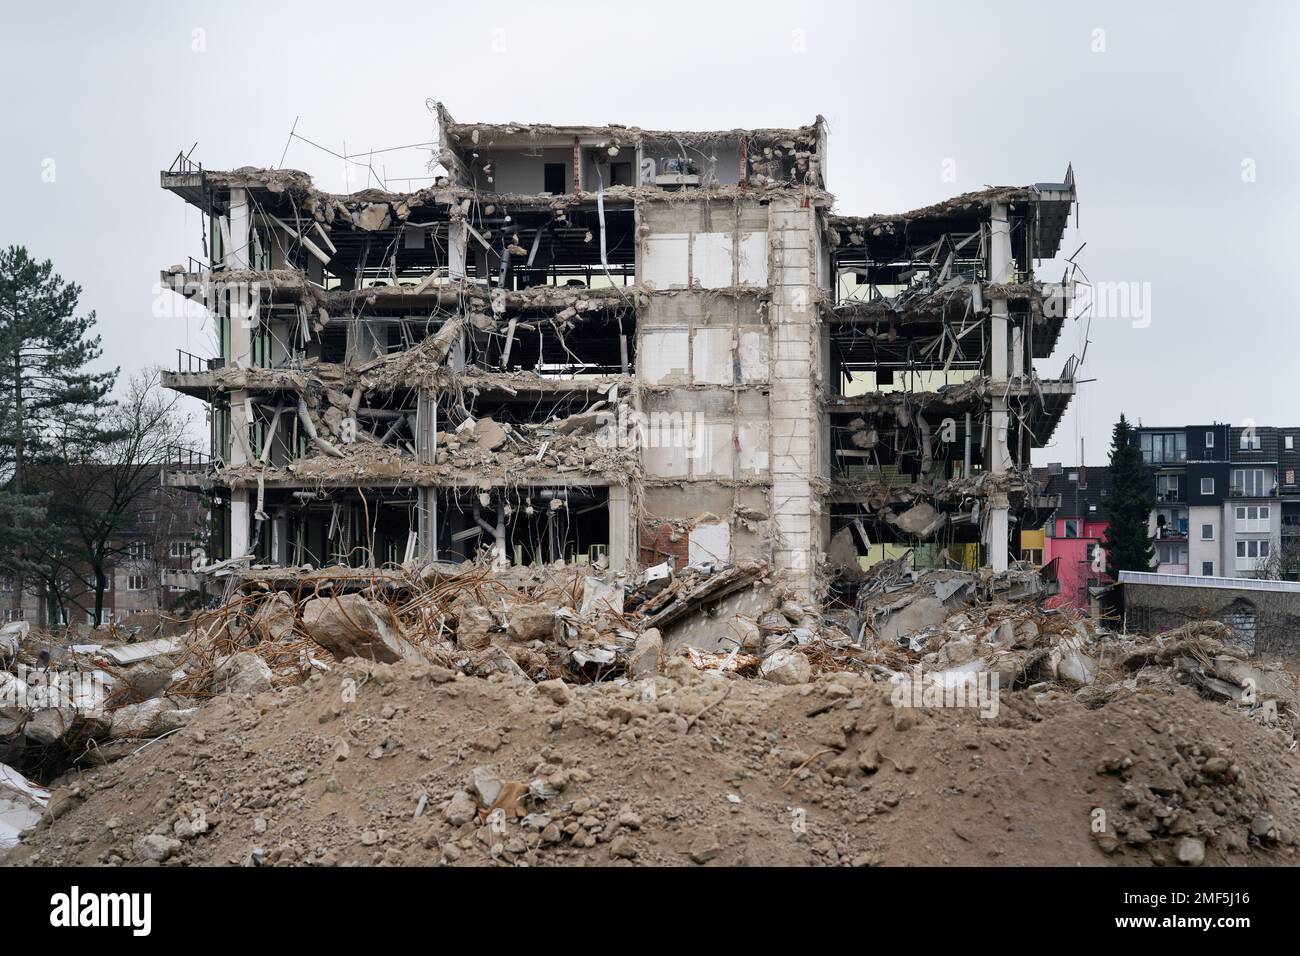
[646,655]
[127,654]
[598,596]
[786,667]
[148,679]
[149,719]
[21,804]
[351,625]
[474,627]
[275,619]
[49,725]
[243,673]
[533,622]
[489,434]
[921,520]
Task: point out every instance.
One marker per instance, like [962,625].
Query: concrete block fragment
[533,622]
[786,667]
[351,625]
[243,673]
[646,655]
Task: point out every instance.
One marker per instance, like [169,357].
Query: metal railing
[183,164]
[1051,571]
[181,458]
[189,362]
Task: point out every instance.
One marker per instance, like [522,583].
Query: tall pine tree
[1129,545]
[45,390]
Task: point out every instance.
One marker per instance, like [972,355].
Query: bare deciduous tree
[98,489]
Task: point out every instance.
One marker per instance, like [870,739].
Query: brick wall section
[657,546]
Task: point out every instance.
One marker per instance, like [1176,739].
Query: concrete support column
[796,365]
[458,237]
[241,316]
[239,509]
[999,244]
[428,519]
[619,528]
[239,306]
[998,533]
[1000,264]
[278,525]
[426,427]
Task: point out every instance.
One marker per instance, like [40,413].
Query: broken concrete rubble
[786,667]
[567,630]
[797,701]
[645,659]
[21,805]
[351,625]
[243,673]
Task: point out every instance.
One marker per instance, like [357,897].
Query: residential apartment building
[150,571]
[611,345]
[1226,498]
[1076,531]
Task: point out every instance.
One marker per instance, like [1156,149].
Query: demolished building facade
[617,347]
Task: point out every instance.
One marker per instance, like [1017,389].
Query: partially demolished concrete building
[620,347]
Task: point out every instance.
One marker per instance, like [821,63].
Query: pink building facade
[1075,534]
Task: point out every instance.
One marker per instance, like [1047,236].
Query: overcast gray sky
[1179,118]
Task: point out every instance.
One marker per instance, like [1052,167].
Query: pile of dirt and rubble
[552,717]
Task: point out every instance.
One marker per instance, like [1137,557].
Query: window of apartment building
[1071,528]
[180,549]
[1207,568]
[1251,482]
[1033,555]
[1171,554]
[140,550]
[136,582]
[1250,553]
[1252,518]
[1207,532]
[12,614]
[1163,446]
[1290,442]
[8,582]
[1207,486]
[1169,487]
[1209,439]
[1250,440]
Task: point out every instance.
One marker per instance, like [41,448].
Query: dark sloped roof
[1093,488]
[1268,445]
